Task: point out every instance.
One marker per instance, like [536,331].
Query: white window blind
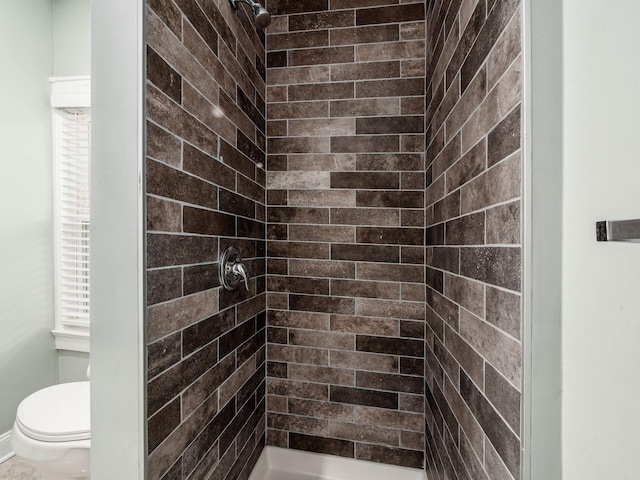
[72,151]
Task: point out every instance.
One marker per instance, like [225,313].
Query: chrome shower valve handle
[232,270]
[240,270]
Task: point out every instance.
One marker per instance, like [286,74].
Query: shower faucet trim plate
[232,270]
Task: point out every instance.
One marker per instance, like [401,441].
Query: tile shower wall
[205,191]
[473,202]
[345,282]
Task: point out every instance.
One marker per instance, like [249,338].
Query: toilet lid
[56,414]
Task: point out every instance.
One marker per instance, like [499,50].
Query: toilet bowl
[52,431]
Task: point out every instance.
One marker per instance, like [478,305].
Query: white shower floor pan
[285,464]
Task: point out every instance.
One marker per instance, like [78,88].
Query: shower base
[285,464]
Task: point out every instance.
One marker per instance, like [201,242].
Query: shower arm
[234,3]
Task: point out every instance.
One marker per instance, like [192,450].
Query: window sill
[75,341]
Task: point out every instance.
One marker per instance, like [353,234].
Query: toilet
[52,431]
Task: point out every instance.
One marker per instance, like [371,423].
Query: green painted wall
[38,39]
[71,38]
[27,352]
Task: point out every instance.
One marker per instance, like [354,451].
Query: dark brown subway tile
[166,318]
[389,455]
[288,7]
[206,222]
[390,88]
[168,182]
[364,361]
[321,20]
[504,310]
[383,235]
[370,70]
[298,285]
[163,146]
[342,448]
[497,20]
[163,76]
[164,284]
[321,56]
[447,208]
[359,216]
[206,331]
[505,138]
[277,59]
[288,41]
[393,346]
[330,410]
[397,198]
[503,224]
[504,396]
[469,166]
[467,230]
[466,292]
[163,354]
[287,110]
[236,160]
[388,125]
[364,107]
[499,184]
[446,258]
[365,253]
[211,169]
[162,424]
[364,143]
[169,13]
[365,180]
[360,396]
[321,91]
[352,288]
[322,339]
[390,162]
[299,355]
[299,145]
[365,35]
[365,325]
[304,250]
[503,439]
[500,266]
[364,433]
[320,268]
[166,113]
[324,233]
[391,14]
[344,306]
[170,250]
[393,382]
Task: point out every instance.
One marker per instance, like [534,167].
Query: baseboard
[6,452]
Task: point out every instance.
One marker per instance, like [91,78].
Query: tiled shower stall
[364,156]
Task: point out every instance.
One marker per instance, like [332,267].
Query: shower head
[261,17]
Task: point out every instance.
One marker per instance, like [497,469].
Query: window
[72,166]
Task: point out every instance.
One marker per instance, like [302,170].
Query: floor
[16,469]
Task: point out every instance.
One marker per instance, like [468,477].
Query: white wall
[72,37]
[117,245]
[27,354]
[34,35]
[601,281]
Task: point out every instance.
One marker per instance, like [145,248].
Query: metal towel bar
[618,231]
